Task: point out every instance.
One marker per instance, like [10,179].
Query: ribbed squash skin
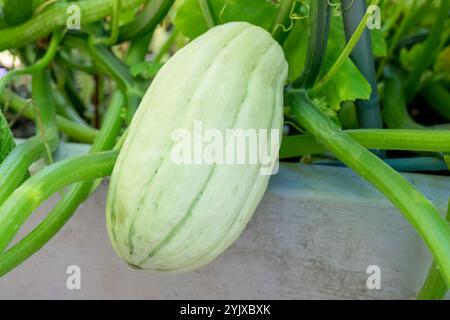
[170,217]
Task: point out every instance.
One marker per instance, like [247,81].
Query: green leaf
[295,48]
[348,84]
[322,105]
[191,23]
[6,139]
[379,44]
[146,70]
[408,57]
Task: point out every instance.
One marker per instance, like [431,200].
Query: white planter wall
[313,237]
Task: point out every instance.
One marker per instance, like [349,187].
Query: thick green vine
[420,212]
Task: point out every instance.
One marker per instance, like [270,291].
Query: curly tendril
[337,7]
[293,16]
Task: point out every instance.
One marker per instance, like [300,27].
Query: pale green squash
[178,217]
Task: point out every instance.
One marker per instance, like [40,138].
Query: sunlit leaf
[191,23]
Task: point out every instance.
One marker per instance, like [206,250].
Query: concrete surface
[313,236]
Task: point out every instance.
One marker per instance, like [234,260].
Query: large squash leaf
[191,23]
[348,84]
[6,139]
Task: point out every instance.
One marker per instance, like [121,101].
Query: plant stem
[107,62]
[345,53]
[70,201]
[136,53]
[115,20]
[205,6]
[46,109]
[419,211]
[152,15]
[39,65]
[66,207]
[283,16]
[319,27]
[434,287]
[65,108]
[395,111]
[69,64]
[369,112]
[438,98]
[55,17]
[16,164]
[166,47]
[74,130]
[40,187]
[404,140]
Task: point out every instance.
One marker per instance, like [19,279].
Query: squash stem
[15,166]
[67,206]
[395,111]
[55,17]
[319,27]
[39,65]
[382,139]
[205,6]
[74,130]
[279,29]
[166,47]
[419,211]
[151,16]
[40,187]
[434,287]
